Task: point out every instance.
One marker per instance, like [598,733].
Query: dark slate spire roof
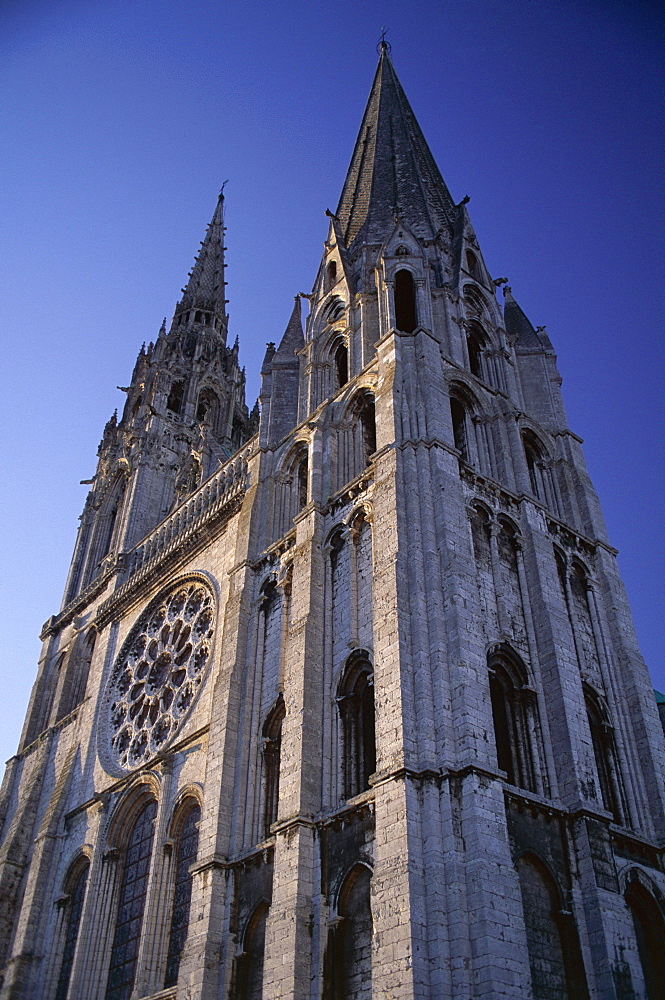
[206,286]
[392,172]
[518,325]
[293,338]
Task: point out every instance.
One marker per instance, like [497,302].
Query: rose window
[158,674]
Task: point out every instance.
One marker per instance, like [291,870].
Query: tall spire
[392,173]
[206,287]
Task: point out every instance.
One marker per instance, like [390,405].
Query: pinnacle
[293,338]
[392,171]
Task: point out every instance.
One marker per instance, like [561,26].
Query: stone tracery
[159,672]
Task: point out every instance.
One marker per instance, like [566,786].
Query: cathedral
[344,699]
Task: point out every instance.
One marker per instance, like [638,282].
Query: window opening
[331,275]
[650,934]
[302,475]
[342,365]
[356,706]
[602,740]
[458,414]
[174,402]
[75,907]
[272,749]
[405,302]
[188,845]
[472,265]
[368,426]
[129,919]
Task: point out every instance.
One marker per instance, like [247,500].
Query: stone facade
[344,698]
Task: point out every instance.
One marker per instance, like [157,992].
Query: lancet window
[515,717]
[604,751]
[131,904]
[250,962]
[272,748]
[349,954]
[341,363]
[552,939]
[207,407]
[187,845]
[356,709]
[175,397]
[649,924]
[406,318]
[75,887]
[331,275]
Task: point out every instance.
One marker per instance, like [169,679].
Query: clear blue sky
[121,118]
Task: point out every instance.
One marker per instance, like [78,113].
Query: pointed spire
[206,287]
[518,325]
[392,173]
[293,338]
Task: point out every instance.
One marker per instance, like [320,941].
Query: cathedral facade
[344,699]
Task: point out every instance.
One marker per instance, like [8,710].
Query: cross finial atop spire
[383,45]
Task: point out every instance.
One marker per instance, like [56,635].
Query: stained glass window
[127,936]
[75,906]
[188,845]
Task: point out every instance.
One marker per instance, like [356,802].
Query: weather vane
[383,44]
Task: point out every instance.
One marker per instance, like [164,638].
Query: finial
[465,200]
[383,45]
[507,290]
[221,190]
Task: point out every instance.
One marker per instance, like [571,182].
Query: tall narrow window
[475,343]
[515,719]
[405,302]
[250,963]
[604,751]
[174,402]
[272,749]
[331,275]
[302,479]
[650,934]
[472,265]
[342,365]
[557,972]
[187,849]
[368,427]
[356,707]
[74,909]
[458,415]
[129,919]
[350,952]
[534,463]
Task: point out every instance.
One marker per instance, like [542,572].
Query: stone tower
[344,700]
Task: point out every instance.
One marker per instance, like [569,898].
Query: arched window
[331,275]
[250,962]
[514,714]
[604,751]
[557,972]
[75,887]
[207,407]
[472,265]
[341,360]
[405,302]
[174,402]
[131,903]
[460,429]
[302,481]
[356,709]
[476,343]
[185,856]
[367,420]
[349,967]
[272,748]
[650,934]
[74,676]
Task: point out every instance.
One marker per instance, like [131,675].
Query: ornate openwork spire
[205,293]
[392,171]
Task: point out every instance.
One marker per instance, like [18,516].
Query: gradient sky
[120,119]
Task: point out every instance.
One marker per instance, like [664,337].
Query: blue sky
[119,122]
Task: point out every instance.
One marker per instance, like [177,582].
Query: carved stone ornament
[157,676]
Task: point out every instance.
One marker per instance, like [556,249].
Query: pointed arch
[648,916]
[349,953]
[355,699]
[208,408]
[552,940]
[185,836]
[463,407]
[137,855]
[604,752]
[74,889]
[404,290]
[250,961]
[515,718]
[272,750]
[293,483]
